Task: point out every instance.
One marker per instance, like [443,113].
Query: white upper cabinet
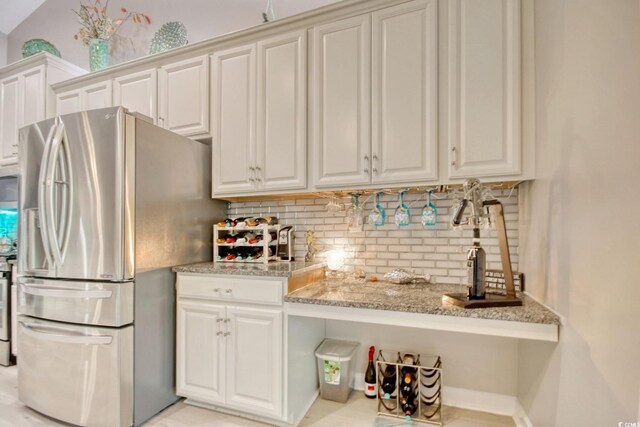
[138,92]
[375,97]
[484,87]
[91,97]
[34,87]
[259,116]
[233,119]
[99,95]
[183,96]
[404,93]
[281,155]
[341,102]
[25,97]
[68,102]
[10,118]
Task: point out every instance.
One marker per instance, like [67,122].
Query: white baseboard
[521,418]
[494,403]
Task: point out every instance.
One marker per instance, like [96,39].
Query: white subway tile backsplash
[438,251]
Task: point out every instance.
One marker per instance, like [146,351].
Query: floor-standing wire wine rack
[426,387]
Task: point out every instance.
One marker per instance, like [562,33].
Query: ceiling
[13,12]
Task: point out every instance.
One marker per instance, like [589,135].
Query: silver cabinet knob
[228,291]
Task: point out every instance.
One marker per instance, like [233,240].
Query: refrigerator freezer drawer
[77,374]
[88,303]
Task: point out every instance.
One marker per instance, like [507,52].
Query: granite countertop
[414,298]
[272,269]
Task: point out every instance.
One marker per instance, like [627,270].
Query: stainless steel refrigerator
[108,203]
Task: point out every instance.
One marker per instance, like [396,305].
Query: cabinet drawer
[256,290]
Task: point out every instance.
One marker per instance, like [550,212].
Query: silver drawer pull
[41,333]
[228,291]
[217,290]
[64,292]
[226,334]
[219,333]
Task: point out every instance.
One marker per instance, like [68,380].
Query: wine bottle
[408,404]
[389,379]
[370,383]
[255,239]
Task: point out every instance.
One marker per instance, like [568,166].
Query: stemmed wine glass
[378,216]
[402,214]
[354,215]
[429,212]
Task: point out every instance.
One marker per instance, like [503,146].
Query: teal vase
[98,54]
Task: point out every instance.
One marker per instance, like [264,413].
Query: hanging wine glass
[402,215]
[378,216]
[429,212]
[354,215]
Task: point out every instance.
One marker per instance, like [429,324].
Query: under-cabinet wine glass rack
[422,398]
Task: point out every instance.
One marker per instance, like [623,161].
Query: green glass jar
[98,54]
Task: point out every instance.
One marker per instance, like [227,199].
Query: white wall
[3,49]
[473,362]
[54,21]
[579,229]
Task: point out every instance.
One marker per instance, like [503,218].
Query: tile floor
[357,412]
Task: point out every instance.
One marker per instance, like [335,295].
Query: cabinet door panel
[68,102]
[484,91]
[281,132]
[184,96]
[10,117]
[404,103]
[254,360]
[34,96]
[200,352]
[99,95]
[341,102]
[137,92]
[233,112]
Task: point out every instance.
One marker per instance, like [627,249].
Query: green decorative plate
[33,46]
[169,36]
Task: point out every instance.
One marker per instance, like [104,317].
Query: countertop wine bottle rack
[426,386]
[267,244]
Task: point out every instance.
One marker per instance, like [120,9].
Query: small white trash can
[335,369]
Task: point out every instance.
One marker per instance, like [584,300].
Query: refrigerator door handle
[42,190]
[58,147]
[64,293]
[61,335]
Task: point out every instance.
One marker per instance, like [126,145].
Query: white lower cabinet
[228,354]
[200,354]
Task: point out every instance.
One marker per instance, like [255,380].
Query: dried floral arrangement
[96,24]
